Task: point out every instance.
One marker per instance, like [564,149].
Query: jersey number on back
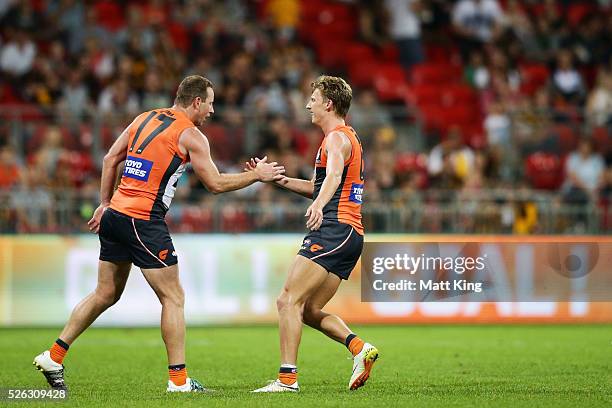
[165,120]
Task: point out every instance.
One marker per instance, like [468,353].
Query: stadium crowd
[475,115]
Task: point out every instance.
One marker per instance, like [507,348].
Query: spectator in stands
[477,22]
[567,83]
[405,30]
[298,97]
[476,73]
[118,98]
[57,58]
[10,170]
[268,96]
[276,136]
[497,125]
[500,64]
[382,152]
[285,15]
[525,213]
[17,55]
[91,30]
[584,171]
[24,16]
[543,41]
[373,22]
[154,95]
[451,159]
[50,152]
[75,100]
[98,60]
[590,41]
[366,115]
[67,17]
[33,204]
[599,102]
[518,21]
[136,31]
[43,85]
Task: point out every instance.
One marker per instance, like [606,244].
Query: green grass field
[424,366]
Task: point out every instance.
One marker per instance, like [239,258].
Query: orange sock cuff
[355,345]
[287,375]
[178,374]
[58,351]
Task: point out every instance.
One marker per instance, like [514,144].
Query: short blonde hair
[337,90]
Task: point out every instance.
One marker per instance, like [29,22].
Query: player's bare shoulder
[338,140]
[192,138]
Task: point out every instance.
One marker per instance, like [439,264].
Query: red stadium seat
[332,22]
[416,163]
[356,52]
[330,13]
[466,118]
[390,83]
[431,116]
[362,74]
[432,73]
[389,53]
[80,165]
[234,219]
[417,95]
[568,140]
[38,137]
[576,12]
[196,219]
[544,170]
[602,140]
[410,161]
[441,54]
[458,94]
[309,9]
[474,135]
[180,36]
[461,114]
[330,54]
[217,136]
[534,76]
[109,15]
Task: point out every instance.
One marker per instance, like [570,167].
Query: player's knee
[286,300]
[282,302]
[310,315]
[107,297]
[175,298]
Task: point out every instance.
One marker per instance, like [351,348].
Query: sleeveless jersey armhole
[184,157]
[347,161]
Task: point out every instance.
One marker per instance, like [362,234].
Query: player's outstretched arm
[302,187]
[299,186]
[116,154]
[338,150]
[193,143]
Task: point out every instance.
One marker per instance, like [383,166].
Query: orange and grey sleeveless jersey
[153,165]
[345,204]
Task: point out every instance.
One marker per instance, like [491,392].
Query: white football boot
[191,385]
[278,386]
[53,372]
[362,365]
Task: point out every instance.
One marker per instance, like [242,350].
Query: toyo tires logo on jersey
[137,168]
[356,193]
